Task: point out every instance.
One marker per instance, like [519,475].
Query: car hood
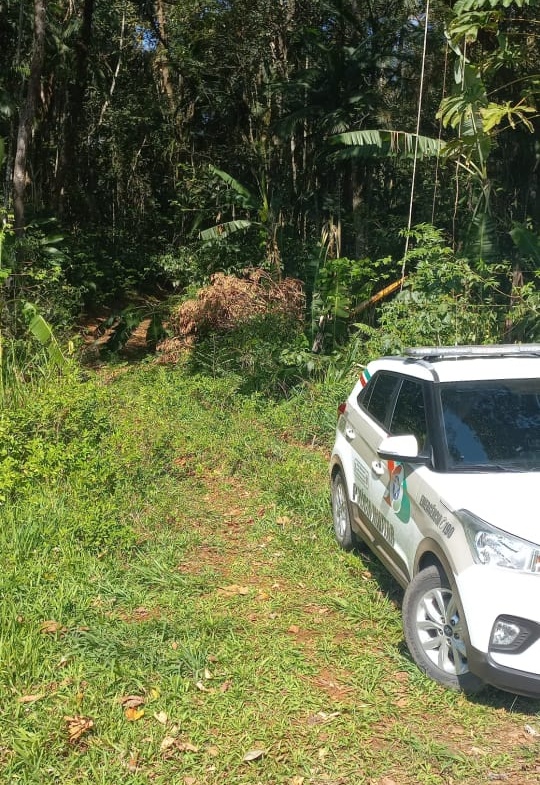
[508,500]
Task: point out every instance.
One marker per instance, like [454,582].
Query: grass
[170,544]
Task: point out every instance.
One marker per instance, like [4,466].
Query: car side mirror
[401,448]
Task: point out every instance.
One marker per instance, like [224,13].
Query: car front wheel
[435,630]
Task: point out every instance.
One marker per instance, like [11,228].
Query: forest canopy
[150,145]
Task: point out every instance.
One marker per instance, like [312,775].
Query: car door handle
[350,433]
[377,468]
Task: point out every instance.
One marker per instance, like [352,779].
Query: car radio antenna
[415,159]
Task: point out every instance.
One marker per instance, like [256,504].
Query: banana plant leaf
[527,243]
[42,331]
[390,143]
[224,229]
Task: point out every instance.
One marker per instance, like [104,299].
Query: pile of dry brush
[229,301]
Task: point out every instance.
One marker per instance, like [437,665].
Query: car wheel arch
[431,554]
[337,466]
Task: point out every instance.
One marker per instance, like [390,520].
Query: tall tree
[27,115]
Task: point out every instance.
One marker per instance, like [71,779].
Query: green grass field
[175,610]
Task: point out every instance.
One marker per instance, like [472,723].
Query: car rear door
[407,482]
[365,429]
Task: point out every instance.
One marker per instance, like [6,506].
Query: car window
[493,423]
[410,412]
[376,396]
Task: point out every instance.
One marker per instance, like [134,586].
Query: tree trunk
[162,58]
[27,116]
[68,167]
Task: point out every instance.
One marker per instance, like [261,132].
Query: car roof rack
[462,352]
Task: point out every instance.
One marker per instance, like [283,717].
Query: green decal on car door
[396,496]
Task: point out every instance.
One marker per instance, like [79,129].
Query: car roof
[465,363]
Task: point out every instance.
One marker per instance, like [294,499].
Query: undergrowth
[174,607]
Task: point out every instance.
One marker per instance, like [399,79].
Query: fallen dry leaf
[213,751]
[200,686]
[161,717]
[322,717]
[530,731]
[322,753]
[30,698]
[297,780]
[131,701]
[207,674]
[233,590]
[294,629]
[186,746]
[254,754]
[283,520]
[387,781]
[77,726]
[51,627]
[132,714]
[225,686]
[167,743]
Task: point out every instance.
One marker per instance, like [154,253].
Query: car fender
[341,462]
[430,547]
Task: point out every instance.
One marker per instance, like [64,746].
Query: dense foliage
[149,145]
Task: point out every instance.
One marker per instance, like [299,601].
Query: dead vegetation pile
[230,301]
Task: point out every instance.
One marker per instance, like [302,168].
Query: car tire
[436,632]
[341,513]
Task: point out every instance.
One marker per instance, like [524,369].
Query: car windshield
[492,425]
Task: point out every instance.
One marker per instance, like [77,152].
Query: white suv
[436,467]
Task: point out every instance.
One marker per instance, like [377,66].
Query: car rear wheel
[435,630]
[341,513]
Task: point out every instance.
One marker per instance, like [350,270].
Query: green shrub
[260,351]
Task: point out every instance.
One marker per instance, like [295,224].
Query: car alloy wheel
[435,630]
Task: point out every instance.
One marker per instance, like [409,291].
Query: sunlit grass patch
[216,600]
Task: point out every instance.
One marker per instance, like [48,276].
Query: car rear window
[376,396]
[409,414]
